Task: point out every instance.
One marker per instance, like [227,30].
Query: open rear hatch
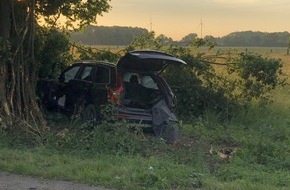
[147,61]
[142,64]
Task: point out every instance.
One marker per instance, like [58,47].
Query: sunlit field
[271,52]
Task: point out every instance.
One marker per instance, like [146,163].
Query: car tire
[90,113]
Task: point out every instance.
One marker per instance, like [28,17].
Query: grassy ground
[251,151]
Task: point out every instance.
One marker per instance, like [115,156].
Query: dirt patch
[10,181]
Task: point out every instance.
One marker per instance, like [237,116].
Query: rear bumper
[135,114]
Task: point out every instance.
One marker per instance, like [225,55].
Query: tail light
[115,94]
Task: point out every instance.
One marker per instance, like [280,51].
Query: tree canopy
[77,13]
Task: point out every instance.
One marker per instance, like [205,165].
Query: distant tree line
[102,35]
[116,35]
[250,38]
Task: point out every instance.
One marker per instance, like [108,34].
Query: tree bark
[18,102]
[5,18]
[5,26]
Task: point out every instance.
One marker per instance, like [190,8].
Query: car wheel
[90,113]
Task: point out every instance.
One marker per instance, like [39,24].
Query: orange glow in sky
[177,18]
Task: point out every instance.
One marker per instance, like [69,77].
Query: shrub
[53,52]
[199,85]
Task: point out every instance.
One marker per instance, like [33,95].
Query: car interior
[141,91]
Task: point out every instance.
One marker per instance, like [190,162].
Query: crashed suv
[134,85]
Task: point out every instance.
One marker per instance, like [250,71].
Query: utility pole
[151,24]
[201,25]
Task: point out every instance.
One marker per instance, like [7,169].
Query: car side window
[87,73]
[71,73]
[103,75]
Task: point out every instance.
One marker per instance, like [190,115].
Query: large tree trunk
[5,26]
[18,68]
[5,16]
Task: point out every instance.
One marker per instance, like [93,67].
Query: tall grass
[258,142]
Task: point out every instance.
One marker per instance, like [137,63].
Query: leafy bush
[257,75]
[53,52]
[197,86]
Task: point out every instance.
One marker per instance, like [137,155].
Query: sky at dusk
[177,18]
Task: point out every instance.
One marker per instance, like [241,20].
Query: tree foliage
[188,39]
[250,38]
[78,13]
[257,75]
[53,52]
[164,40]
[25,48]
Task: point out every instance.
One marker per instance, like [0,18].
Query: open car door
[147,61]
